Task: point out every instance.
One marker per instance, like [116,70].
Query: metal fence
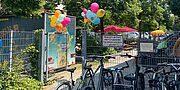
[92,46]
[162,50]
[12,54]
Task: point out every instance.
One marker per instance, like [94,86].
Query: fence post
[10,50]
[41,55]
[84,47]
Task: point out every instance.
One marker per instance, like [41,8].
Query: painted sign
[57,44]
[112,40]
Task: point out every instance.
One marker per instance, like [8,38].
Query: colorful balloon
[85,11]
[59,26]
[57,13]
[82,14]
[86,20]
[61,18]
[53,18]
[53,24]
[85,17]
[94,7]
[100,13]
[97,21]
[91,16]
[67,20]
[63,23]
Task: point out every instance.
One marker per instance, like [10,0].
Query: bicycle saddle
[130,77]
[71,70]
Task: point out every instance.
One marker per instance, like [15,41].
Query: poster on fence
[146,47]
[112,40]
[61,46]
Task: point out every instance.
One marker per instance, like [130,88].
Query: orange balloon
[57,13]
[59,26]
[86,20]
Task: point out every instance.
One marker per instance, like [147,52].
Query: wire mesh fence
[13,55]
[96,47]
[165,49]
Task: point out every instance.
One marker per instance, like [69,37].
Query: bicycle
[136,78]
[67,85]
[162,82]
[70,85]
[104,78]
[118,77]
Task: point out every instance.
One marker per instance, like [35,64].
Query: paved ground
[118,62]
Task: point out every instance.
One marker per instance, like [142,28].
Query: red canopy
[113,28]
[127,29]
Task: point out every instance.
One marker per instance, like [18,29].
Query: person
[176,48]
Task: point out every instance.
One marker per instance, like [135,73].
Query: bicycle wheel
[118,79]
[88,80]
[107,79]
[87,88]
[148,75]
[140,82]
[64,86]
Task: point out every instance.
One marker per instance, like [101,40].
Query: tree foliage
[175,6]
[24,8]
[152,14]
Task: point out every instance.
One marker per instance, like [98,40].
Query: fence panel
[162,50]
[12,50]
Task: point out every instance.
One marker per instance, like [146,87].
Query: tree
[24,8]
[174,6]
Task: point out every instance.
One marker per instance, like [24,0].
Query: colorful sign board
[57,44]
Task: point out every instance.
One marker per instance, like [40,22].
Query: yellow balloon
[86,20]
[53,18]
[53,24]
[100,13]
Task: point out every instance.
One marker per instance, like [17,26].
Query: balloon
[61,18]
[91,16]
[67,20]
[58,21]
[85,11]
[82,14]
[53,18]
[86,20]
[53,24]
[57,13]
[97,21]
[63,23]
[59,26]
[94,7]
[100,13]
[85,17]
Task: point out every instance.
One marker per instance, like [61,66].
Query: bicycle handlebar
[101,57]
[127,55]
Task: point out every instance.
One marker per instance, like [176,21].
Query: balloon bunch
[59,20]
[94,14]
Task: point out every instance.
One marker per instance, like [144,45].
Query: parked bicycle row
[165,76]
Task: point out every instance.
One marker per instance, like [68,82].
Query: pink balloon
[67,20]
[94,7]
[85,17]
[85,11]
[63,23]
